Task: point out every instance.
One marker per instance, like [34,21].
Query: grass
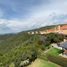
[43,63]
[54,52]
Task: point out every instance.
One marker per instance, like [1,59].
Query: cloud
[13,26]
[20,15]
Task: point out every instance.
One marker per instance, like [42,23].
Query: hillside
[46,27]
[15,48]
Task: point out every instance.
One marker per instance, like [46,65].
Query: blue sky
[20,15]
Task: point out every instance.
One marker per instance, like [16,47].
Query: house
[60,29]
[64,47]
[64,27]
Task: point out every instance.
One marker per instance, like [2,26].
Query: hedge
[58,60]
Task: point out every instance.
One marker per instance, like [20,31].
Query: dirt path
[35,63]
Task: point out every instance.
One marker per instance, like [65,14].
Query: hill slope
[15,48]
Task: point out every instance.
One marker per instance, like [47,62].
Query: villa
[64,47]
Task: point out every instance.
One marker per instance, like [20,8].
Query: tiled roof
[64,45]
[51,30]
[64,27]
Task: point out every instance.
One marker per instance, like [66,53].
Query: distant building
[29,32]
[36,32]
[32,32]
[61,29]
[43,32]
[58,29]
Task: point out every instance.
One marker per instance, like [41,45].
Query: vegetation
[19,48]
[55,38]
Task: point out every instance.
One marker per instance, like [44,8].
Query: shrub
[55,38]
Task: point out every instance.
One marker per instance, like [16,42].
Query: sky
[21,15]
